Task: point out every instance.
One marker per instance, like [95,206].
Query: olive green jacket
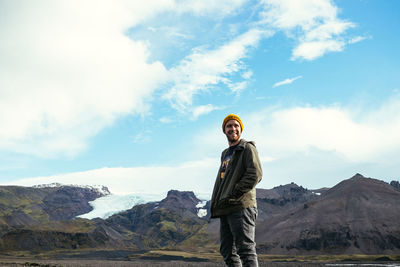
[237,190]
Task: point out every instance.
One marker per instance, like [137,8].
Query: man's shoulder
[247,144]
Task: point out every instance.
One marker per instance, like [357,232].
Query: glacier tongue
[104,207]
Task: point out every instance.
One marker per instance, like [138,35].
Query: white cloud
[286,81]
[357,39]
[288,14]
[142,137]
[247,75]
[358,136]
[67,72]
[238,87]
[315,24]
[210,7]
[165,120]
[203,69]
[203,110]
[314,49]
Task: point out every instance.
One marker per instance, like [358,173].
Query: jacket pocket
[234,201]
[228,202]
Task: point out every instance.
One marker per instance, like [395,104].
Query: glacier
[110,204]
[106,206]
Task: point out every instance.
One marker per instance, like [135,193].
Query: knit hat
[232,117]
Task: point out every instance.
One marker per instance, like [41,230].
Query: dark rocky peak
[180,199]
[283,194]
[182,194]
[289,189]
[395,184]
[358,186]
[282,198]
[280,191]
[358,176]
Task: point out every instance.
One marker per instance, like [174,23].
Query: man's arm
[253,173]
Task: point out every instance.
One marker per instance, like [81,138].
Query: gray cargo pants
[237,234]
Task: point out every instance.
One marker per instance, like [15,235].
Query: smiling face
[233,131]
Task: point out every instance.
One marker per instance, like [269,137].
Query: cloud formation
[202,110]
[358,135]
[67,72]
[314,24]
[203,69]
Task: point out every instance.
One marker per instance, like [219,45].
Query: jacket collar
[241,144]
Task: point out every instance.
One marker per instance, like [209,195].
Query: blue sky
[132,95]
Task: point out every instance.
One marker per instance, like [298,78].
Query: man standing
[234,196]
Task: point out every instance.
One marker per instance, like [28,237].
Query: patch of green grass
[167,226]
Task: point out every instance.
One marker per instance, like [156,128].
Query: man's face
[232,131]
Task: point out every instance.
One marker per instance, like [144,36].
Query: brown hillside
[359,215]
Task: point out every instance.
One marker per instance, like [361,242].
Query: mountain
[29,205]
[160,224]
[281,198]
[44,214]
[359,215]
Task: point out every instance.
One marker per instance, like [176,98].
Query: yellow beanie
[232,117]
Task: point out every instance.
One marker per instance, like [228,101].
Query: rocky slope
[281,198]
[21,206]
[359,215]
[43,217]
[160,224]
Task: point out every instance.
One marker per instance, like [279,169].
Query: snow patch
[47,185]
[99,188]
[201,212]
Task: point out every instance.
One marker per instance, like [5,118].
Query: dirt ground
[18,262]
[107,263]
